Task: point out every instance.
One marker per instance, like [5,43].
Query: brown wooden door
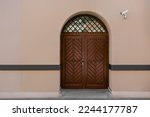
[84,60]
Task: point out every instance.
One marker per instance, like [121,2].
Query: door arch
[84,53]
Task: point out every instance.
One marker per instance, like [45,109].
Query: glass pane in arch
[84,23]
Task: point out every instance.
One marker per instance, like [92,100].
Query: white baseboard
[29,95]
[130,94]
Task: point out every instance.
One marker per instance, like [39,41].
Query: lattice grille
[84,23]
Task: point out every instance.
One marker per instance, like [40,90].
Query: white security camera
[124,13]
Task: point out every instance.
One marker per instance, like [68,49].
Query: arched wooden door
[84,53]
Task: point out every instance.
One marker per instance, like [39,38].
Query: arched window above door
[84,23]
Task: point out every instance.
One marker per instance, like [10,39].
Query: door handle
[82,61]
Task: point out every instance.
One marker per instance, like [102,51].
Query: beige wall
[30,34]
[43,21]
[40,81]
[130,80]
[10,31]
[29,81]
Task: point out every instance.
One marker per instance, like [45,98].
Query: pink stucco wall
[30,34]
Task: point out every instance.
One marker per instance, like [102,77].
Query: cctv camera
[124,12]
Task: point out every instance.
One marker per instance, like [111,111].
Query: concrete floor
[85,94]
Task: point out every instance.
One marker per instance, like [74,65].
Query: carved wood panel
[72,58]
[96,61]
[84,60]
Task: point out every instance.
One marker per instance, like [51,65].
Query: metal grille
[84,23]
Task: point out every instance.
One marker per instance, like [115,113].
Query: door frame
[74,33]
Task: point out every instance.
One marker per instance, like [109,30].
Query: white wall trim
[130,94]
[30,95]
